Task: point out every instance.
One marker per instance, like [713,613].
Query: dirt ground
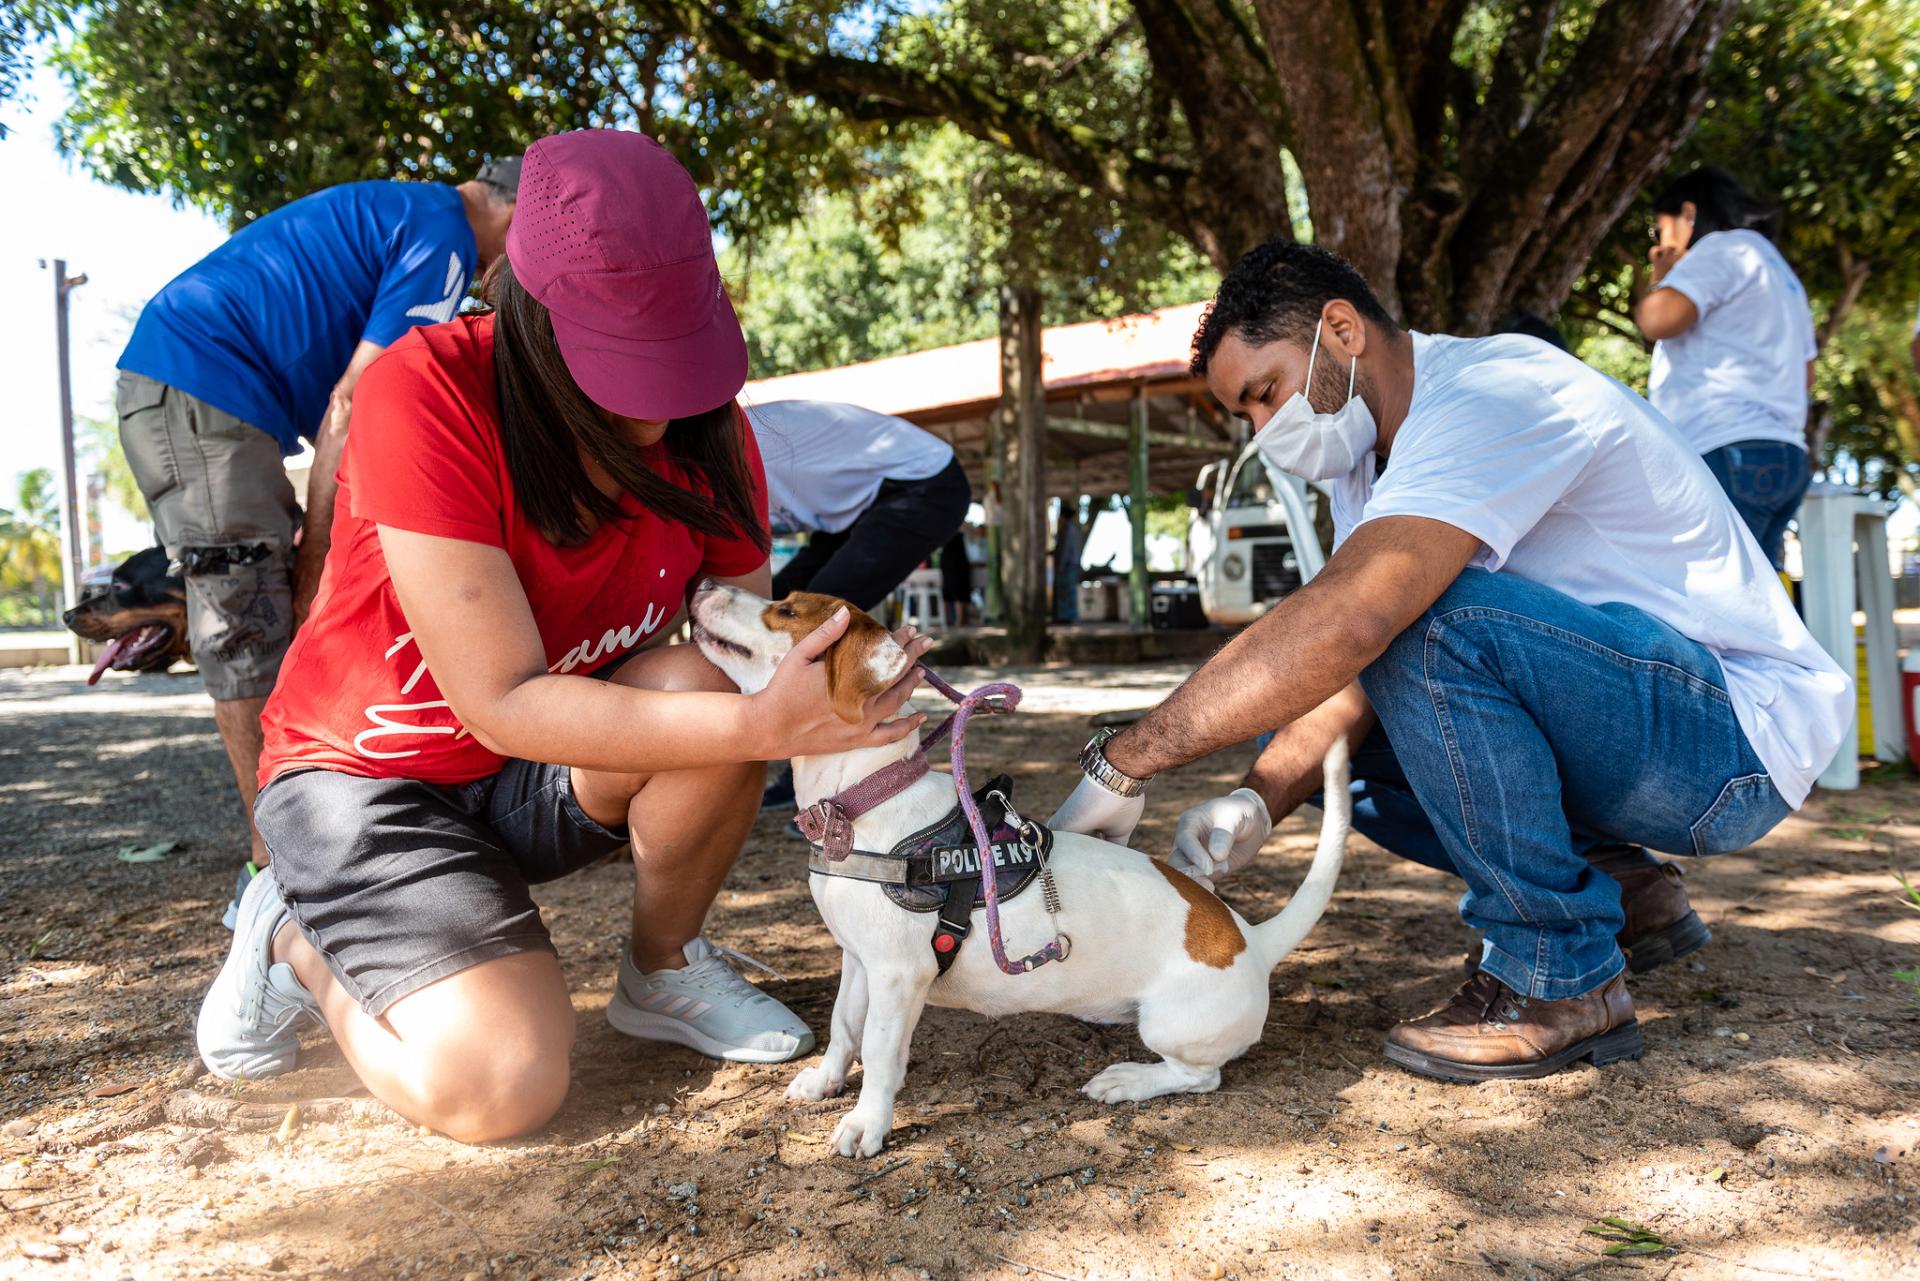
[1773,1129]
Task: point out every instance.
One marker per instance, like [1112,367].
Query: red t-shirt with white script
[425,454]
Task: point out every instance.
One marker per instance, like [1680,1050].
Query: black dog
[141,614]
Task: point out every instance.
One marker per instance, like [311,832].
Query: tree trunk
[1459,195]
[1022,423]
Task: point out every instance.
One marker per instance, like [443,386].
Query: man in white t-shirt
[875,494]
[1546,634]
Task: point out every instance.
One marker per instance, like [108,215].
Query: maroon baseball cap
[610,236]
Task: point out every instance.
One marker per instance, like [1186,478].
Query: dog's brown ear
[858,666]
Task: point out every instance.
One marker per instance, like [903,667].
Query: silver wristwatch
[1094,761]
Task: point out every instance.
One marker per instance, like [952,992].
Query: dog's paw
[814,1083]
[860,1135]
[1132,1082]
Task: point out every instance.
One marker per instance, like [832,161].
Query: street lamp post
[63,285]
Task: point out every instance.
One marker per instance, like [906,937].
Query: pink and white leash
[967,704]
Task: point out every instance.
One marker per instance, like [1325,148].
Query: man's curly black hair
[1278,292]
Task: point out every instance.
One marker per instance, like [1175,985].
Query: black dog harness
[937,869]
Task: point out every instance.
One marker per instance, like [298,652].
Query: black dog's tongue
[118,647]
[114,649]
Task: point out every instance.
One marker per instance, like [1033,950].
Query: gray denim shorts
[399,883]
[225,512]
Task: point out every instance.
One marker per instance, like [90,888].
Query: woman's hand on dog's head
[806,714]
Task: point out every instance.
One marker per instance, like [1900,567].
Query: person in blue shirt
[254,349]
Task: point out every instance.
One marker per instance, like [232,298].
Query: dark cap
[504,174]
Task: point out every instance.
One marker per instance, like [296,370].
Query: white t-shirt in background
[825,462]
[1571,480]
[1741,372]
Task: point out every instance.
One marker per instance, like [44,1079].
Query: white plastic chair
[917,601]
[1843,542]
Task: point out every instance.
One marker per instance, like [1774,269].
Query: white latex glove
[1220,836]
[1092,810]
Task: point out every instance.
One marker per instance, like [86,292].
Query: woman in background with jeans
[1733,346]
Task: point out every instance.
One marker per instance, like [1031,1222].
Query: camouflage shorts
[225,512]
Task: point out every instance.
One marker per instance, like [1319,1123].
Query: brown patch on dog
[1213,936]
[850,678]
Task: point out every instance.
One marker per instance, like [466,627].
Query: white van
[1241,543]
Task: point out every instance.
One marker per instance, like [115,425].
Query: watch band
[1094,761]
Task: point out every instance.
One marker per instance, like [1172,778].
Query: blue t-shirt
[264,326]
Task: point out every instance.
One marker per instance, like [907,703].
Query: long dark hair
[1720,203]
[547,423]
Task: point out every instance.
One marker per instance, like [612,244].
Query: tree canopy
[876,168]
[1468,157]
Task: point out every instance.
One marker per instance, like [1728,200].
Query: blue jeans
[1765,479]
[1519,728]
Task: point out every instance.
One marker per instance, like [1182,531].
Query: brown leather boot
[1661,923]
[1490,1033]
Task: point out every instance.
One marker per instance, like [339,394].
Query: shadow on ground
[1771,1129]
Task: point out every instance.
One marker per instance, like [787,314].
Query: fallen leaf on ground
[1628,1238]
[147,853]
[108,1091]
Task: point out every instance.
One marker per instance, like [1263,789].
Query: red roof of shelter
[963,380]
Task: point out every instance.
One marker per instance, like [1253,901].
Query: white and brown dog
[1149,945]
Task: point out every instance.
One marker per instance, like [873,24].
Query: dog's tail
[1275,938]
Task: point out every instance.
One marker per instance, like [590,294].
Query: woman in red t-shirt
[525,500]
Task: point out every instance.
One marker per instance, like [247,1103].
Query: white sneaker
[707,1007]
[249,1021]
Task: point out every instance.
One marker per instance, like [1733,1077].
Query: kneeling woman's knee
[475,1095]
[488,1049]
[675,669]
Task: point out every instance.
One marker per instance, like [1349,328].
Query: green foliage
[960,143]
[30,562]
[239,108]
[911,257]
[1911,898]
[101,452]
[1814,104]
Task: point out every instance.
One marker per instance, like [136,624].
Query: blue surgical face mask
[1313,445]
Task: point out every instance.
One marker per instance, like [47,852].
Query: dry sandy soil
[1773,1129]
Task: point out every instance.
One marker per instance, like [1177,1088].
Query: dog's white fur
[1128,923]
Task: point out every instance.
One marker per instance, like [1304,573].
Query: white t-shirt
[1741,372]
[825,462]
[1569,479]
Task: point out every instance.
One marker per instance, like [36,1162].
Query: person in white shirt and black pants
[875,494]
[1734,347]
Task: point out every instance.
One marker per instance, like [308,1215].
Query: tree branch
[1628,53]
[1670,93]
[1232,124]
[1853,278]
[1511,92]
[868,90]
[1098,49]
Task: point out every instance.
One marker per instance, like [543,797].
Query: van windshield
[1251,485]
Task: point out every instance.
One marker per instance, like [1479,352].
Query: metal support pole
[70,521]
[995,610]
[1137,580]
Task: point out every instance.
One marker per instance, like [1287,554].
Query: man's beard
[1328,390]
